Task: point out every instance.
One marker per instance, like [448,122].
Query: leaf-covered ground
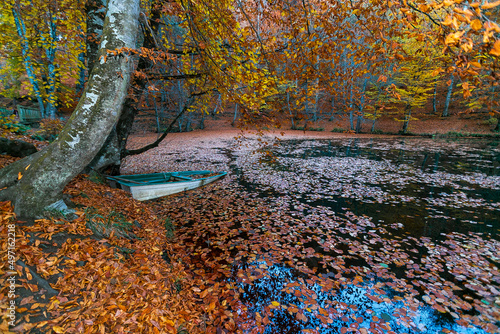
[266,249]
[107,284]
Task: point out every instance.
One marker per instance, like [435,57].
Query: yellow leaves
[211,307]
[451,20]
[19,176]
[399,57]
[491,26]
[467,14]
[489,5]
[467,90]
[490,29]
[437,71]
[448,20]
[467,45]
[58,329]
[475,64]
[424,8]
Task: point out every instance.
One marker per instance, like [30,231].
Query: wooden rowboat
[149,186]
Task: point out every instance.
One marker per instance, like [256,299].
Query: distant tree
[42,34]
[414,80]
[238,50]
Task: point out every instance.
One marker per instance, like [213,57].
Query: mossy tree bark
[96,14]
[109,158]
[44,174]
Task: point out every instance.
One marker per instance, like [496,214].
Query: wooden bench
[29,115]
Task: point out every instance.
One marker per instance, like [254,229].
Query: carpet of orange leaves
[101,289]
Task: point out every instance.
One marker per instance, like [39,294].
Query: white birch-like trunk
[30,71]
[45,174]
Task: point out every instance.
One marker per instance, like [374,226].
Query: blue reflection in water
[349,303]
[422,216]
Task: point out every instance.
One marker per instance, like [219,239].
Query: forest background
[269,63]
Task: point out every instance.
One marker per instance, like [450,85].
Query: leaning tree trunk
[109,158]
[43,177]
[96,13]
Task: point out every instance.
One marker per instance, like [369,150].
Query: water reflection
[435,186]
[349,306]
[420,190]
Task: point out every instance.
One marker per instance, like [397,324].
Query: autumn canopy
[269,58]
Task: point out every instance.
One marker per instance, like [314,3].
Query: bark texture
[96,13]
[109,157]
[95,116]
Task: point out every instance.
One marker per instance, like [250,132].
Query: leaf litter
[257,253]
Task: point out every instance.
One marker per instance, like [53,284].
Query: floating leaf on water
[385,316]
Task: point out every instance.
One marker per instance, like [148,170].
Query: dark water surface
[424,208]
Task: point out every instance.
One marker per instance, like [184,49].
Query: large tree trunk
[407,118]
[109,158]
[96,12]
[83,136]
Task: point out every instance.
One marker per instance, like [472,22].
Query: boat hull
[143,192]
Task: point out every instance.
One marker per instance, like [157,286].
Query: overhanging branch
[143,149]
[175,77]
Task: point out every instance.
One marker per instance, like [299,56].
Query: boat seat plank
[179,177]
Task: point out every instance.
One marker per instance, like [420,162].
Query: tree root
[9,175]
[41,282]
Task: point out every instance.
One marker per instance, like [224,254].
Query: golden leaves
[495,50]
[490,5]
[491,27]
[476,25]
[475,64]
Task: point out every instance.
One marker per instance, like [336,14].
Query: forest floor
[116,265]
[424,124]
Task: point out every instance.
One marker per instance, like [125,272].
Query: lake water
[337,236]
[435,186]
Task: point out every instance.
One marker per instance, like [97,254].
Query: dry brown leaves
[102,288]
